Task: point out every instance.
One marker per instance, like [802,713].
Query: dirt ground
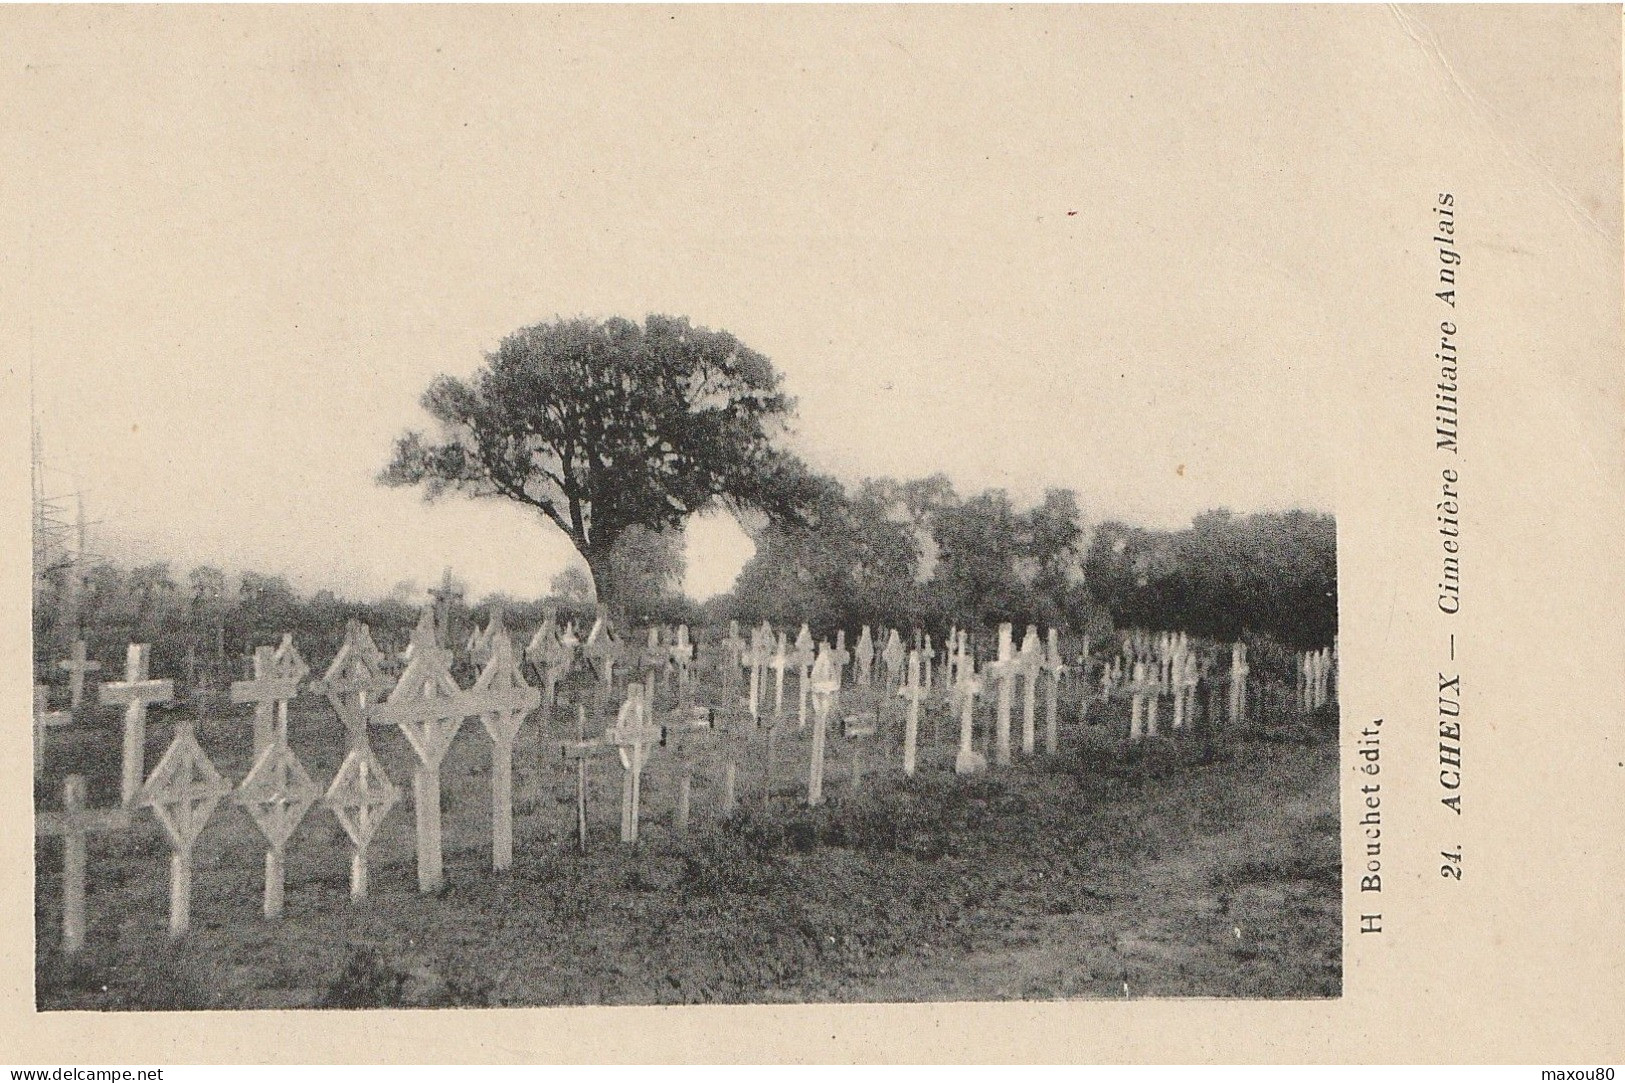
[1206,865]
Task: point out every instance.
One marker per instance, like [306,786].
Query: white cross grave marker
[182,792]
[45,719]
[803,659]
[277,793]
[966,689]
[632,734]
[429,708]
[1055,666]
[503,699]
[894,656]
[1004,668]
[269,693]
[1028,665]
[913,690]
[361,796]
[824,685]
[77,666]
[72,825]
[354,681]
[135,692]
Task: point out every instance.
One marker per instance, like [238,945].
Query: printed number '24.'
[1451,869]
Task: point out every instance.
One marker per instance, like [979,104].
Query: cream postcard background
[1516,111]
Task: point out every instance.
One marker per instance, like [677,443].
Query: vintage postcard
[936,534]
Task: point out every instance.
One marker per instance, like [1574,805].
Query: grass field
[1206,866]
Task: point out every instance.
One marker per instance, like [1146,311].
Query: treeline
[902,554]
[204,624]
[916,554]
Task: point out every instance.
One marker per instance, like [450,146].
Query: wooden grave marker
[1144,687]
[865,656]
[632,735]
[582,749]
[914,689]
[1238,684]
[779,662]
[503,699]
[603,651]
[1055,667]
[803,658]
[894,656]
[446,597]
[551,657]
[969,685]
[182,792]
[135,692]
[757,658]
[429,708]
[269,692]
[839,659]
[824,686]
[77,665]
[73,825]
[45,719]
[682,657]
[690,733]
[361,796]
[1029,663]
[277,793]
[654,657]
[858,729]
[355,681]
[1004,669]
[733,653]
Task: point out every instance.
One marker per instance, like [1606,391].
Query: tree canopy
[606,426]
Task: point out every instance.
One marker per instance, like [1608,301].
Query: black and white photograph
[692,506]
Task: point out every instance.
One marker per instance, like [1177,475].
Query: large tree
[606,426]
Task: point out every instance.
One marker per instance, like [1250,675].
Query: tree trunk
[603,585]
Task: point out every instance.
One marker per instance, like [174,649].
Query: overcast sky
[1100,248]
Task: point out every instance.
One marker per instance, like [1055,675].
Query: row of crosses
[429,707]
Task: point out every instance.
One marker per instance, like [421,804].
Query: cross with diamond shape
[503,699]
[72,825]
[604,651]
[354,681]
[360,796]
[277,793]
[135,692]
[182,792]
[429,708]
[549,658]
